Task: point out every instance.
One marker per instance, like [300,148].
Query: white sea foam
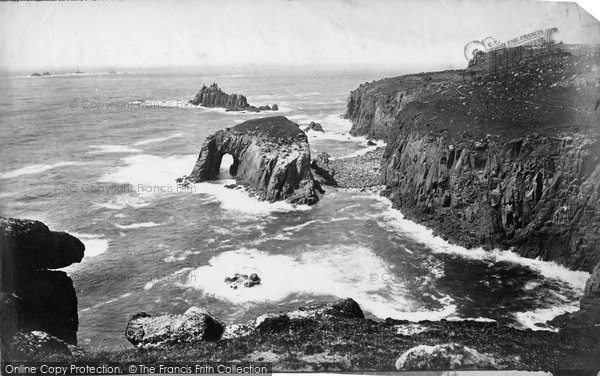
[169,278]
[35,169]
[342,271]
[109,301]
[149,171]
[106,149]
[123,201]
[394,219]
[94,244]
[576,279]
[300,226]
[335,128]
[160,139]
[528,319]
[239,199]
[137,225]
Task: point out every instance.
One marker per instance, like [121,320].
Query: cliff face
[505,158]
[33,298]
[271,158]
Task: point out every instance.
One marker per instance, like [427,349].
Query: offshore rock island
[271,157]
[213,96]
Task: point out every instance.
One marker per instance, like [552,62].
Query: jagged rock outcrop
[32,298]
[317,127]
[505,158]
[271,158]
[213,96]
[196,324]
[242,280]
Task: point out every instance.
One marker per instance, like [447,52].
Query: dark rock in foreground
[271,157]
[34,299]
[30,244]
[145,331]
[213,96]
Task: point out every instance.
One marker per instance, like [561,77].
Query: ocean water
[77,155]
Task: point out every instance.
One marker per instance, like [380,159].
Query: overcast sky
[415,34]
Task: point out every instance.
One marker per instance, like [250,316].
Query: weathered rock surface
[38,343]
[213,96]
[271,158]
[242,280]
[314,127]
[341,309]
[443,357]
[34,299]
[508,158]
[30,244]
[196,324]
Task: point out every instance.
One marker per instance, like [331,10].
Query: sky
[418,35]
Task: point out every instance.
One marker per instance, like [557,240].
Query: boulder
[274,107]
[314,127]
[443,357]
[244,280]
[195,325]
[340,309]
[271,158]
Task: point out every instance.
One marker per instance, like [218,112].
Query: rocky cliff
[271,157]
[503,157]
[213,96]
[32,297]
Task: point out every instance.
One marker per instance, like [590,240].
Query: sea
[97,155]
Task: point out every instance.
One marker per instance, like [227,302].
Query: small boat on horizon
[78,71]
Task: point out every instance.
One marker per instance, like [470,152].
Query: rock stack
[271,158]
[213,96]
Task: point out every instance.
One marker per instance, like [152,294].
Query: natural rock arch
[271,157]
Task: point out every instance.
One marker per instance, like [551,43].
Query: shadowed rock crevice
[271,157]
